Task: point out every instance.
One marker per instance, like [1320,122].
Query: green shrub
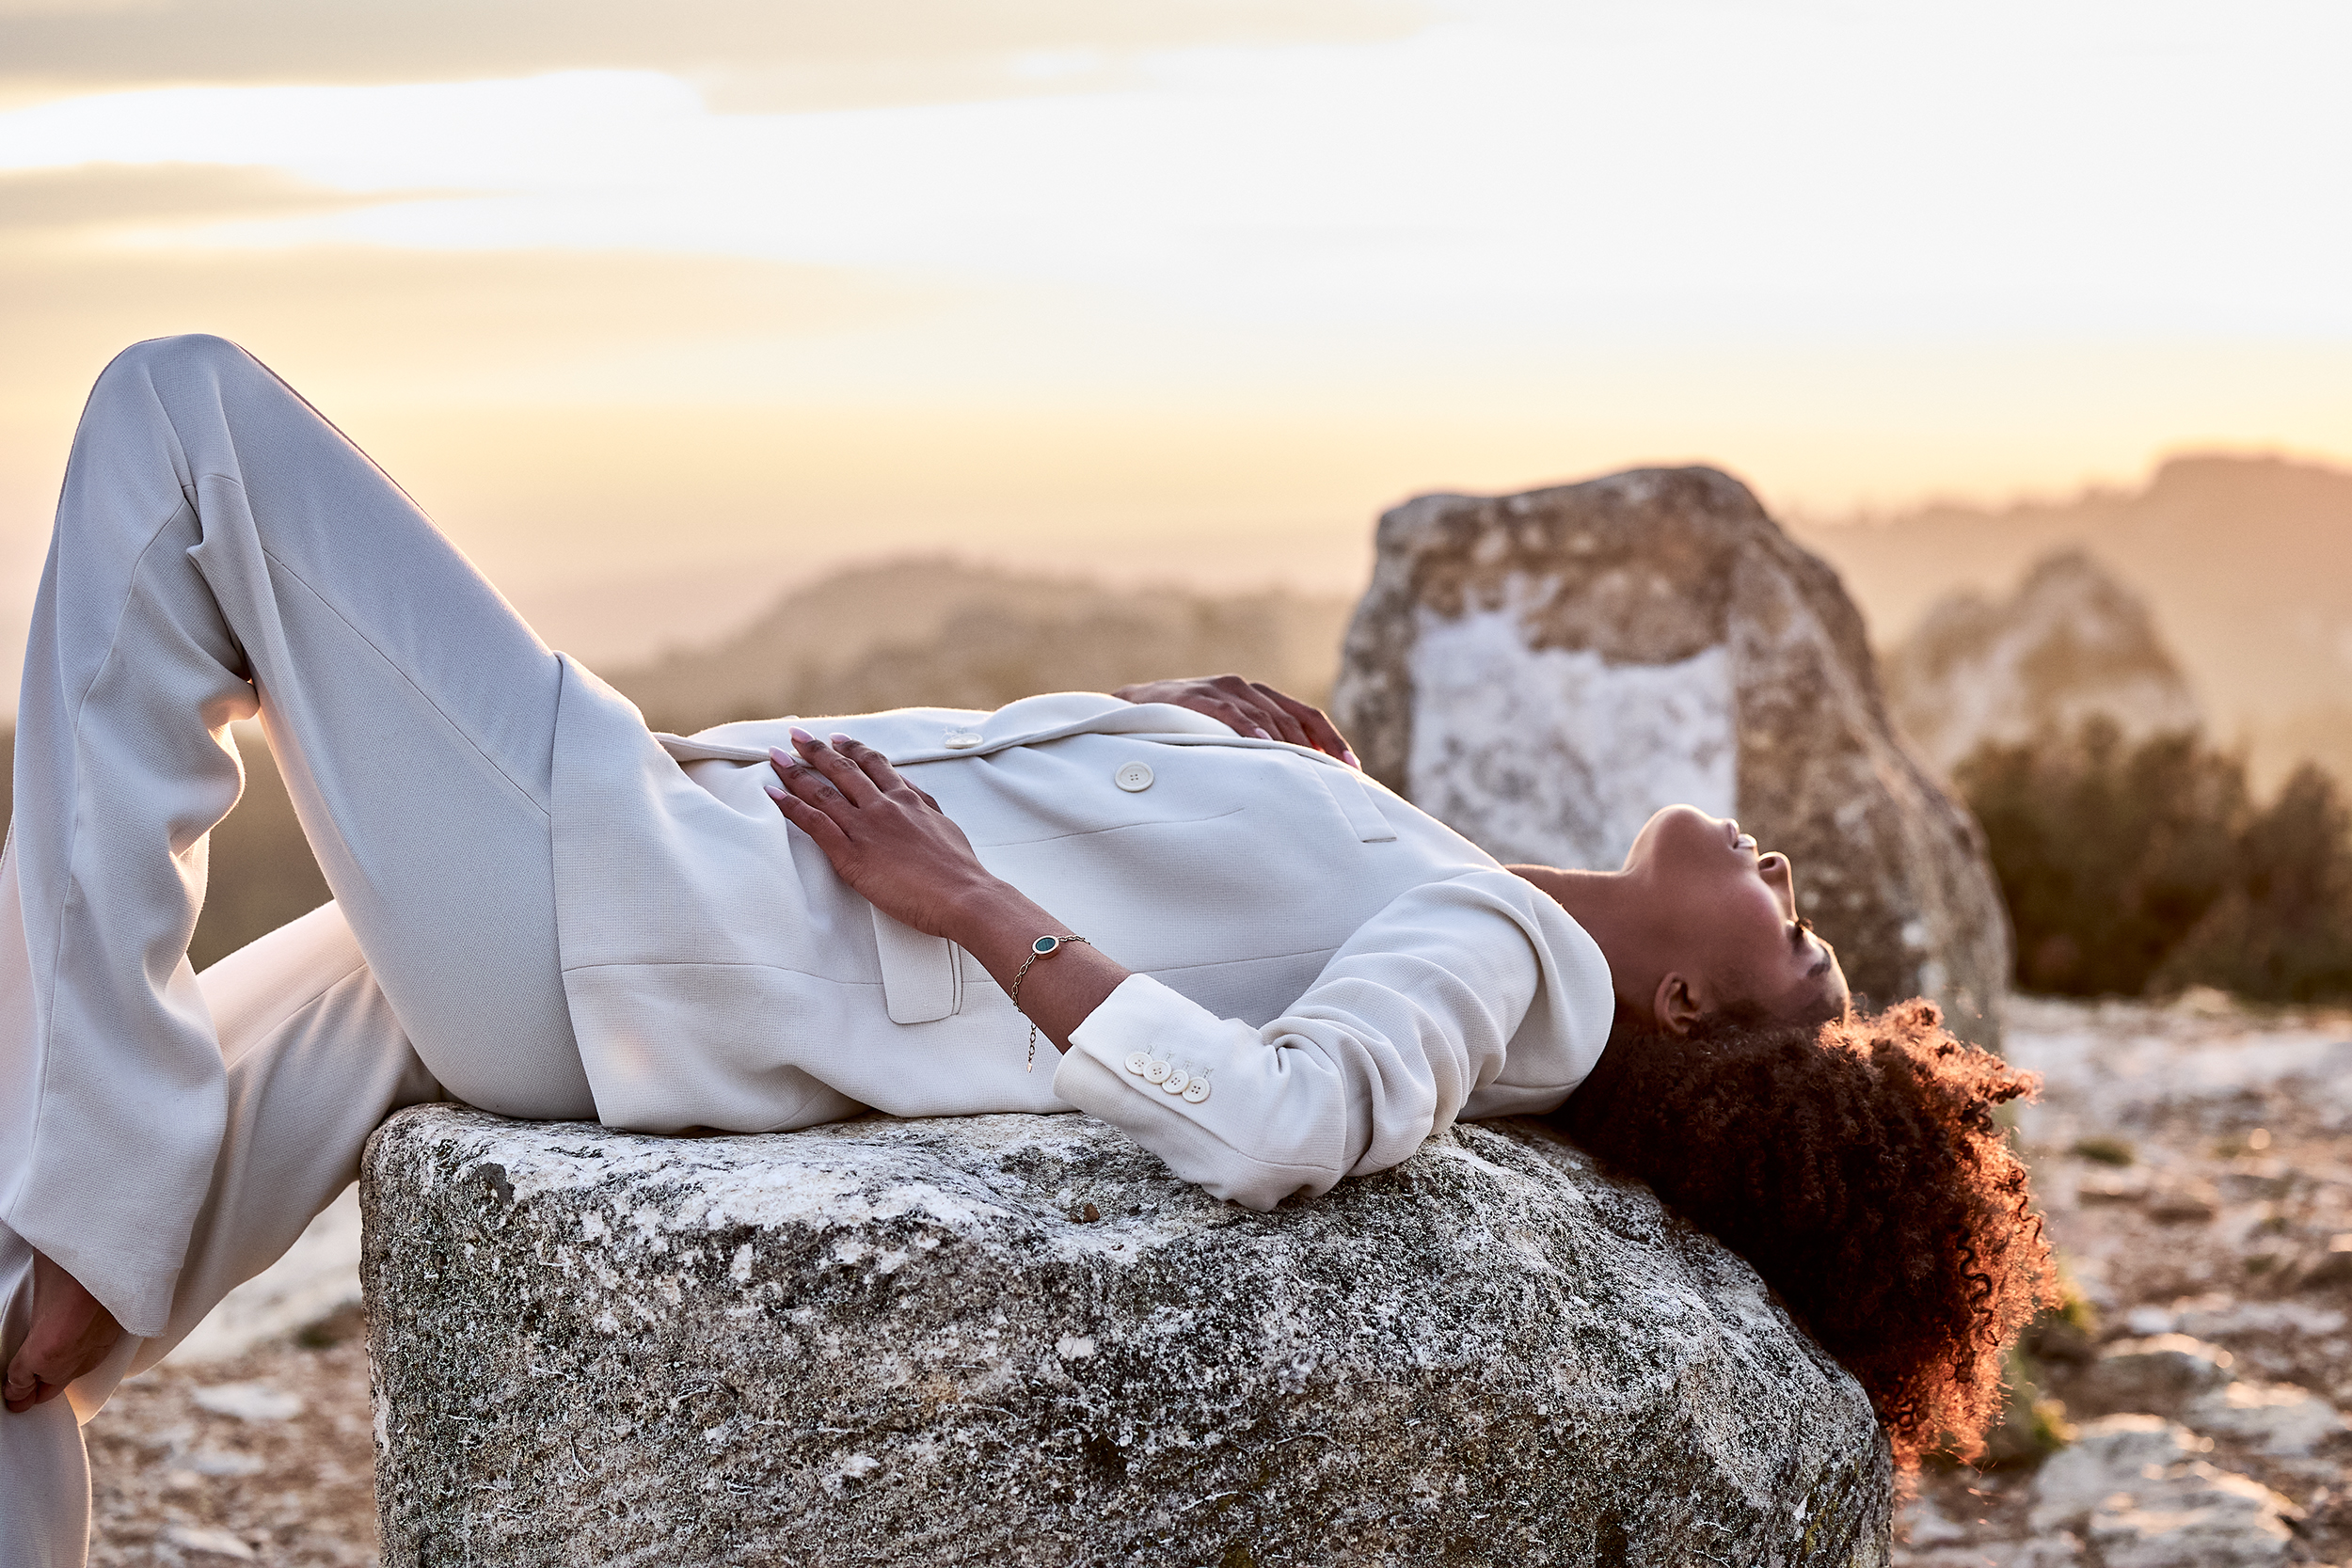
[2282,932]
[2106,855]
[2128,868]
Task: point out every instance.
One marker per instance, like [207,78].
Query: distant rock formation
[2246,560]
[1543,671]
[952,634]
[2071,642]
[1018,1340]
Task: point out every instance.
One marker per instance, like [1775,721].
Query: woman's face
[1726,915]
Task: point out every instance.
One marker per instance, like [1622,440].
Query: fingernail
[1349,758]
[802,737]
[1260,733]
[781,758]
[841,739]
[774,794]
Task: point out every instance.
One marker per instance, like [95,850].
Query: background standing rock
[1542,670]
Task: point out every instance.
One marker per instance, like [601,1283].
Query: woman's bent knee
[181,349]
[145,387]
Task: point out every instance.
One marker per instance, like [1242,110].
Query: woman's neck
[1599,901]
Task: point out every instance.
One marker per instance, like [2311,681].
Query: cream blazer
[1330,973]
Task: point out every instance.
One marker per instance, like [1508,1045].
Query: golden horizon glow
[1183,289]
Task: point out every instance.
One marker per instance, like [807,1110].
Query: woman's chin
[1674,831]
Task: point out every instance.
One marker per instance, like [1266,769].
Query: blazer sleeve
[1475,993]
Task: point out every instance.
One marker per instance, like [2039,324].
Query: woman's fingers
[1272,716]
[1246,707]
[810,804]
[845,775]
[1284,723]
[798,777]
[69,1335]
[1322,733]
[831,795]
[885,838]
[875,765]
[22,1387]
[842,765]
[1253,716]
[813,820]
[1231,715]
[807,787]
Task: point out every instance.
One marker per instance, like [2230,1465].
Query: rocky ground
[265,1457]
[2196,1164]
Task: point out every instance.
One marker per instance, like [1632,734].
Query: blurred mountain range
[950,634]
[2245,562]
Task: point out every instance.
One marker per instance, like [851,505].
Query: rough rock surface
[1014,1340]
[2073,641]
[1543,671]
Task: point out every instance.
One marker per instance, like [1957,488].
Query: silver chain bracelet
[1043,948]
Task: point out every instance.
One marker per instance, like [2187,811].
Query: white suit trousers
[222,550]
[314,1061]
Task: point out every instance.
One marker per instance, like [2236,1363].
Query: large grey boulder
[2071,643]
[1542,671]
[1019,1339]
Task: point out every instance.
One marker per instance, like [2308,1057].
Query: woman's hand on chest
[891,842]
[885,837]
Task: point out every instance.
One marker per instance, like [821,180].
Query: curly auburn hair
[1856,1164]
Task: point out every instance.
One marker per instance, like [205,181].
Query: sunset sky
[660,305]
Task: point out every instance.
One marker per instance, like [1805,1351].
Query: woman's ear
[1676,1006]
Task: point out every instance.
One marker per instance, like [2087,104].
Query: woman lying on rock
[1259,963]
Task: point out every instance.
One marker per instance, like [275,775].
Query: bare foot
[71,1335]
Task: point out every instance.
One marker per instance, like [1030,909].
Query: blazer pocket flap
[922,980]
[1354,799]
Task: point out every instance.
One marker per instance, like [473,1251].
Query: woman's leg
[45,1478]
[315,1061]
[221,548]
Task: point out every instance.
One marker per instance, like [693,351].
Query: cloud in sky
[759,55]
[1688,169]
[98,196]
[423,314]
[1076,276]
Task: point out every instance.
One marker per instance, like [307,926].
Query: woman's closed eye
[1801,937]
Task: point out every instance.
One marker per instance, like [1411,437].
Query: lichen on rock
[1019,1339]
